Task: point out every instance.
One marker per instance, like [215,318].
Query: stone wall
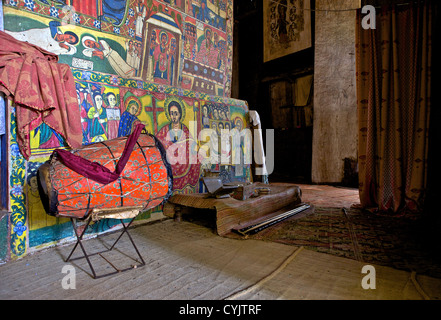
[335,110]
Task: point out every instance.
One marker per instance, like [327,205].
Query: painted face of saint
[33,183]
[133,108]
[163,39]
[112,100]
[238,125]
[99,101]
[70,38]
[175,115]
[91,44]
[208,34]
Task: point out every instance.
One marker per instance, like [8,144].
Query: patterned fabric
[145,181]
[359,235]
[41,89]
[181,146]
[393,94]
[92,169]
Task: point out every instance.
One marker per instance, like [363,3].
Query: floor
[329,196]
[187,261]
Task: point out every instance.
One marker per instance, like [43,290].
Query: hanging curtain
[42,90]
[393,97]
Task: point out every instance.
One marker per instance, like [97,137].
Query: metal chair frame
[79,236]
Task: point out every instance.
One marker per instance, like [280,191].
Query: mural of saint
[152,49]
[85,103]
[172,58]
[162,57]
[113,115]
[50,39]
[214,144]
[129,116]
[102,49]
[190,41]
[180,145]
[205,117]
[208,53]
[98,115]
[130,48]
[141,12]
[133,54]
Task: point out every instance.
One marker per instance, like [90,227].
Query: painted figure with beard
[181,147]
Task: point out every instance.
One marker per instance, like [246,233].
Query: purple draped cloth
[94,170]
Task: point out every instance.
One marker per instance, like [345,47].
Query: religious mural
[162,50]
[166,64]
[179,43]
[110,108]
[287,27]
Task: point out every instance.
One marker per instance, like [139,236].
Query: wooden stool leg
[178,213]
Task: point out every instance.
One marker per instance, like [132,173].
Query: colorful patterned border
[17,199]
[55,10]
[113,80]
[125,28]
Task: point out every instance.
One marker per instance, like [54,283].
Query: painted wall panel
[113,97]
[130,60]
[120,36]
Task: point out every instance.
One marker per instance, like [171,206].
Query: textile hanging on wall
[42,90]
[290,103]
[393,94]
[287,27]
[303,91]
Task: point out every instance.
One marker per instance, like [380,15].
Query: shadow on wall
[350,174]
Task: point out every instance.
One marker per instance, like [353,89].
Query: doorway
[291,119]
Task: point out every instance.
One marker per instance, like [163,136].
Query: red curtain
[42,90]
[393,97]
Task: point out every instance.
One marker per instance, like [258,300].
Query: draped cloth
[94,170]
[303,90]
[41,89]
[393,65]
[259,152]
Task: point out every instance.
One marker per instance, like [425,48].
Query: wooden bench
[232,213]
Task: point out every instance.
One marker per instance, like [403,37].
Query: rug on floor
[356,234]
